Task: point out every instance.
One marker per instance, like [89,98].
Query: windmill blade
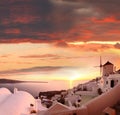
[100,70]
[96,66]
[100,66]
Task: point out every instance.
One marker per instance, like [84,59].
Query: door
[112,83]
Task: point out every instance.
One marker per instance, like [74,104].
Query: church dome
[17,104]
[4,91]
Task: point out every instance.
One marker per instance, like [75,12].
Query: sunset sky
[58,39]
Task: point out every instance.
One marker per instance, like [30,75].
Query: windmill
[100,66]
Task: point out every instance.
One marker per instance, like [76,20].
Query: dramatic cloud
[53,21]
[48,56]
[51,57]
[117,46]
[61,44]
[38,70]
[5,56]
[92,47]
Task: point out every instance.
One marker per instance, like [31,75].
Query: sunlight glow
[94,42]
[72,78]
[103,42]
[76,43]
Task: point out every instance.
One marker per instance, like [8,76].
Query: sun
[76,76]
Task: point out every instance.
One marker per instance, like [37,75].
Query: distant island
[19,81]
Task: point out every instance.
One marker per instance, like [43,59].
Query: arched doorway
[112,83]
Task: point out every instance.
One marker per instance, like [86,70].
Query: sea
[35,88]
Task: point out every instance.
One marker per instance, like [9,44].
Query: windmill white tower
[108,68]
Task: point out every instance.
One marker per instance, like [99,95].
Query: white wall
[107,69]
[97,105]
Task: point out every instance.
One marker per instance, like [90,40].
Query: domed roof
[4,91]
[17,103]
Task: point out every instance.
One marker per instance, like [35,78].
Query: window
[112,83]
[106,82]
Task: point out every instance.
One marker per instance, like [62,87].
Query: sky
[44,40]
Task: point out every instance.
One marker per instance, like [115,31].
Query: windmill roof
[118,71]
[107,63]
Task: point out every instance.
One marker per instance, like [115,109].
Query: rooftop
[107,63]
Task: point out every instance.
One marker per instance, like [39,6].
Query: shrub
[33,111]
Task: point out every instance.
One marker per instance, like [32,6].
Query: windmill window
[106,82]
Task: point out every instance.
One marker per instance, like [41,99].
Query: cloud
[117,45]
[110,19]
[44,56]
[58,21]
[12,31]
[3,62]
[54,57]
[61,44]
[23,63]
[34,70]
[5,56]
[92,47]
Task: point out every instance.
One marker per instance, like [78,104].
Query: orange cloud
[117,45]
[41,56]
[13,31]
[114,31]
[110,19]
[92,47]
[61,44]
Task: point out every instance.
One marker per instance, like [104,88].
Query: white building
[110,77]
[108,68]
[18,103]
[56,108]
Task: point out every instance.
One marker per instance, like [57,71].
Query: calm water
[35,88]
